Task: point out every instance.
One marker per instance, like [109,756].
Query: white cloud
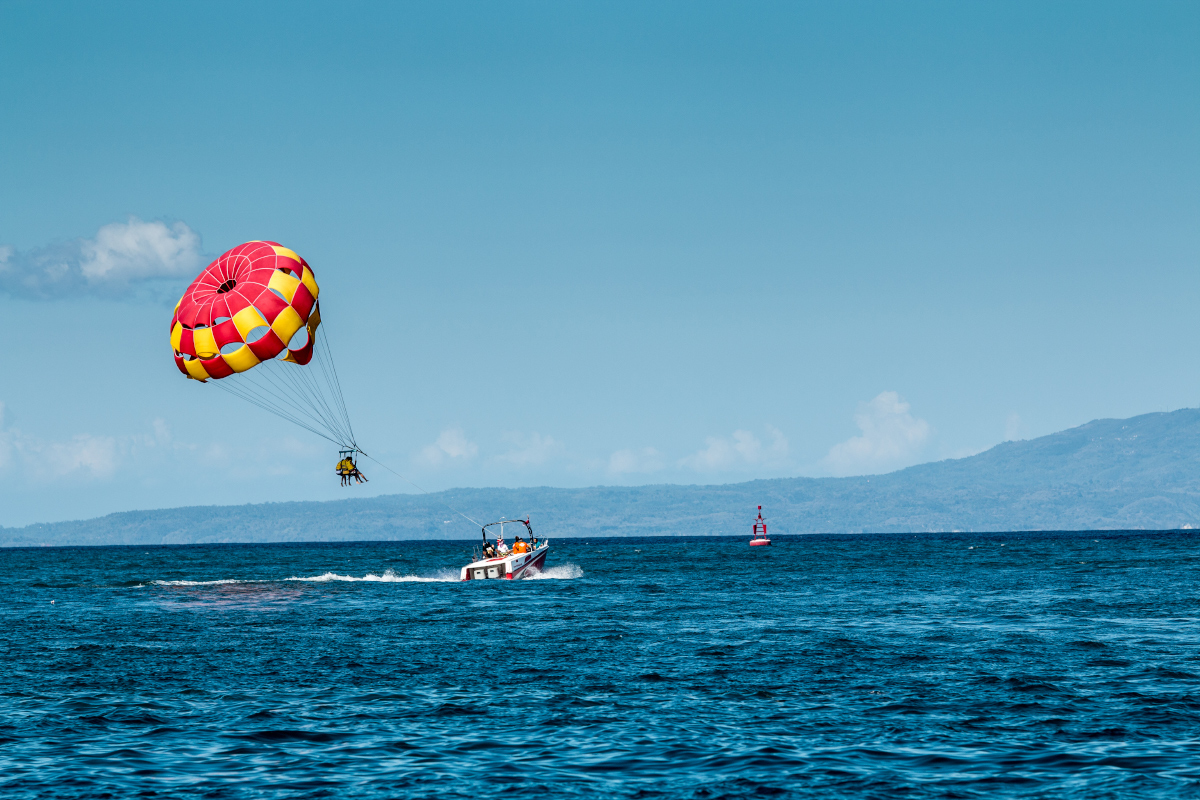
[139,250]
[739,451]
[452,445]
[624,462]
[891,438]
[531,451]
[122,256]
[93,456]
[84,454]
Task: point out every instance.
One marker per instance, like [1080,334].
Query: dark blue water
[860,666]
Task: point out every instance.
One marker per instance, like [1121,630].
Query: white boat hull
[509,567]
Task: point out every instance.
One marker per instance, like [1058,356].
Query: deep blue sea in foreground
[997,665]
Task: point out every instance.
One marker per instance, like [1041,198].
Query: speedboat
[499,561]
[760,531]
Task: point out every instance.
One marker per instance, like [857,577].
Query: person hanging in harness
[348,469]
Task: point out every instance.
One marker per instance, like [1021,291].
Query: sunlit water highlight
[1010,665]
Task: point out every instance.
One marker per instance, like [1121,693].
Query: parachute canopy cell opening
[250,323]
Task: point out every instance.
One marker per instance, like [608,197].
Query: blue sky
[573,244]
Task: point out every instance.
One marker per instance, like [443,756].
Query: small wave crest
[561,572]
[198,583]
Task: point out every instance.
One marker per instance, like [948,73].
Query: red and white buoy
[760,531]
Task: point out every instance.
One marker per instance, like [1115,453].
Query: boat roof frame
[524,522]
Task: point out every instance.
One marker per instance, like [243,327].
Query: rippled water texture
[1009,665]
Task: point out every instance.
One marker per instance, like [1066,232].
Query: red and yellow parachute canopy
[252,315]
[243,309]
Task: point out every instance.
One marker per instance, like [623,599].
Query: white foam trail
[390,576]
[387,577]
[561,572]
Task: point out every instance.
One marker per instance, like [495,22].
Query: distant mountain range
[1139,473]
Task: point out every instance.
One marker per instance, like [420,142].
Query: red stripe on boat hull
[533,563]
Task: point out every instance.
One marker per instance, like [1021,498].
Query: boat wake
[390,576]
[561,572]
[443,576]
[198,583]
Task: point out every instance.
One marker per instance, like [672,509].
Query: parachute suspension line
[308,392]
[336,382]
[330,405]
[412,483]
[293,396]
[325,359]
[318,403]
[302,385]
[267,405]
[265,398]
[264,384]
[308,395]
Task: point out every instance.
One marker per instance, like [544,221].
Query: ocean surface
[957,666]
